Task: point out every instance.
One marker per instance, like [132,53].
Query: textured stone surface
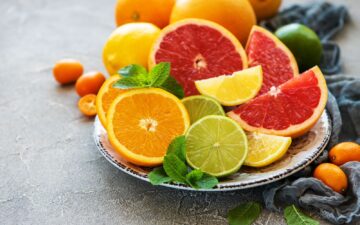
[50,169]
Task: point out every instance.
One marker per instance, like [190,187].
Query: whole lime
[303,42]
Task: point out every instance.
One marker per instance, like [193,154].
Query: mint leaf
[206,182]
[158,176]
[193,177]
[171,85]
[177,147]
[294,216]
[175,168]
[159,74]
[244,214]
[136,81]
[132,70]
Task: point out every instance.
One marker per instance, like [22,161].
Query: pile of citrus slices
[268,102]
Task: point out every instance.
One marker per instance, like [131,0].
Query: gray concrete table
[50,169]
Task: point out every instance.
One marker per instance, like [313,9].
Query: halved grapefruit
[197,49]
[289,110]
[278,63]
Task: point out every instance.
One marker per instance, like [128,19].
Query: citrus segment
[199,106]
[235,89]
[141,123]
[278,63]
[217,145]
[291,109]
[265,149]
[197,49]
[106,96]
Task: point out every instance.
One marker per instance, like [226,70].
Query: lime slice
[235,89]
[199,106]
[217,145]
[265,149]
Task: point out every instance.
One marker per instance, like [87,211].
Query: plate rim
[219,188]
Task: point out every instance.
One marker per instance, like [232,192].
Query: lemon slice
[265,149]
[235,89]
[217,145]
[199,106]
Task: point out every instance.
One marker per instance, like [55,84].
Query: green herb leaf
[244,214]
[177,147]
[136,81]
[132,70]
[158,176]
[294,216]
[206,182]
[175,168]
[193,177]
[172,86]
[159,74]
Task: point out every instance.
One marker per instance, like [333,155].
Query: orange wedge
[141,123]
[106,96]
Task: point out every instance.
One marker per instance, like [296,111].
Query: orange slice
[106,96]
[141,123]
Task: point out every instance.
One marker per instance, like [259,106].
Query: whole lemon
[265,9]
[152,11]
[235,15]
[129,44]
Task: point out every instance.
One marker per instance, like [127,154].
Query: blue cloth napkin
[344,107]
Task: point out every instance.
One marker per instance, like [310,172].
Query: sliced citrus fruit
[141,123]
[235,89]
[217,145]
[199,106]
[265,149]
[290,110]
[197,49]
[106,96]
[278,63]
[86,105]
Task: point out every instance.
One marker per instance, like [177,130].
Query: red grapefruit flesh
[197,49]
[278,63]
[290,110]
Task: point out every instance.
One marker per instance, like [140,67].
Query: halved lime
[199,106]
[217,145]
[265,149]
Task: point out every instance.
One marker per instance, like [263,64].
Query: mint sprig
[175,169]
[136,76]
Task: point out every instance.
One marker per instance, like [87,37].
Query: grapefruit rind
[298,129]
[239,48]
[278,43]
[130,156]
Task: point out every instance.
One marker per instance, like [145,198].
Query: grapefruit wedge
[289,110]
[278,63]
[197,49]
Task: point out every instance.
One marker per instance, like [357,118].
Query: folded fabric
[344,107]
[325,19]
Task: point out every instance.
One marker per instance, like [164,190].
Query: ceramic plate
[302,152]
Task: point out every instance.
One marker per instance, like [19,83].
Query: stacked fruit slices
[273,103]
